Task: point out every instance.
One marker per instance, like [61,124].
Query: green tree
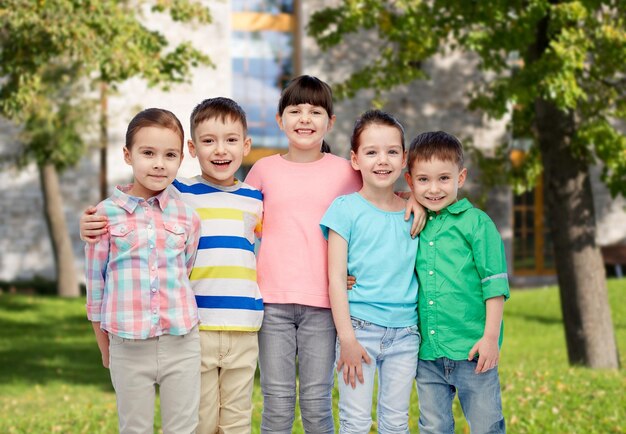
[570,87]
[52,56]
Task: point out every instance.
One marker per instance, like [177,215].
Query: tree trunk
[581,275]
[61,243]
[104,140]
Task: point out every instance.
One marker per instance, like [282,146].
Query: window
[263,40]
[533,252]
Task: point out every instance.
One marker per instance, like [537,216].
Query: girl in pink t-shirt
[292,267]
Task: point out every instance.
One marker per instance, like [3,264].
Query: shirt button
[431,244]
[431,272]
[151,246]
[431,302]
[432,332]
[154,290]
[149,226]
[430,218]
[155,311]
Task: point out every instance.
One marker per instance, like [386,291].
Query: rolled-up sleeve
[490,260]
[96,261]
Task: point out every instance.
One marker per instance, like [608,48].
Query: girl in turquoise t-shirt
[377,320]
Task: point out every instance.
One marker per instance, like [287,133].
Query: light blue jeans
[437,383]
[394,352]
[304,334]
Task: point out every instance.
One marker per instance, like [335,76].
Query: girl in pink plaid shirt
[139,298]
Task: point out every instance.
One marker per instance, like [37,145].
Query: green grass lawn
[51,379]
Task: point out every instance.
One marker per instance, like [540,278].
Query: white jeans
[138,365]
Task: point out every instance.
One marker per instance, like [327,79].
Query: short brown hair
[217,108]
[435,144]
[154,117]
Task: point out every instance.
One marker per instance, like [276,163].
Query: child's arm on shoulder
[351,352]
[102,338]
[487,347]
[418,211]
[92,226]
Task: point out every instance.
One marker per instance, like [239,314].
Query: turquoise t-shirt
[381,255]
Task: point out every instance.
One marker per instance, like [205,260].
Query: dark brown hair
[373,117]
[154,117]
[217,108]
[307,89]
[435,144]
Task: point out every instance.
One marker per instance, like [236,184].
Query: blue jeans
[479,394]
[394,352]
[305,333]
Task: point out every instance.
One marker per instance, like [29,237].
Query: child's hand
[105,356]
[92,226]
[350,355]
[488,354]
[351,281]
[419,215]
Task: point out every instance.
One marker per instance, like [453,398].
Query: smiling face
[155,156]
[435,183]
[379,156]
[305,126]
[220,145]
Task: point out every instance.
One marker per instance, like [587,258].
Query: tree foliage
[53,55]
[581,71]
[558,65]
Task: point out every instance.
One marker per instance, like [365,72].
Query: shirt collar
[129,203]
[457,207]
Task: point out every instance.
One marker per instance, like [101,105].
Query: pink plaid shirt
[137,274]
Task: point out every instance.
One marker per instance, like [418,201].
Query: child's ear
[192,148]
[462,177]
[279,121]
[353,161]
[247,145]
[409,180]
[331,122]
[127,158]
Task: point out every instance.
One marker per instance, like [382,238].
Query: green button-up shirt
[460,264]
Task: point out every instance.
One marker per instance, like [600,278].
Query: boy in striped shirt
[223,277]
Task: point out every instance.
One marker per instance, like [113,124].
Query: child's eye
[207,141]
[394,152]
[370,153]
[232,140]
[445,178]
[422,179]
[172,155]
[148,153]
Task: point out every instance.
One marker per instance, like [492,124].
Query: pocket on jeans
[359,324]
[413,330]
[115,340]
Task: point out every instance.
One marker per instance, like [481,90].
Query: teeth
[221,161]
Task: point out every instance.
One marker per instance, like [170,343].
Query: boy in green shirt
[463,284]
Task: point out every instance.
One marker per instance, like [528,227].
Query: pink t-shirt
[292,262]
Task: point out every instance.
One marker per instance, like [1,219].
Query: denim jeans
[393,351]
[479,394]
[307,334]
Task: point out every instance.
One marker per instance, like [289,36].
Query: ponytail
[325,147]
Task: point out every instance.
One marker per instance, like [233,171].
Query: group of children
[195,323]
